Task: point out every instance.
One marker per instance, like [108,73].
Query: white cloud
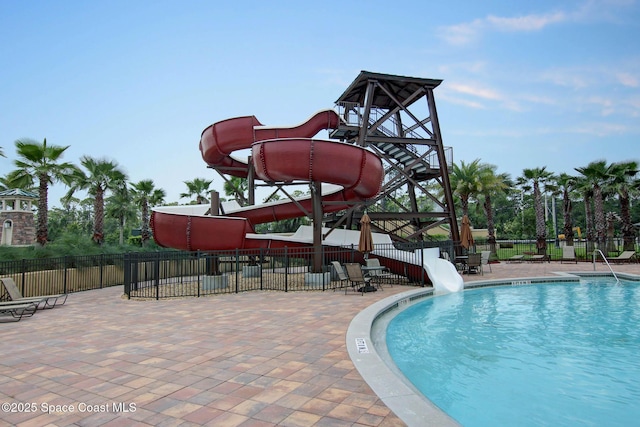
[461,34]
[590,10]
[627,79]
[484,93]
[465,33]
[475,91]
[600,129]
[525,23]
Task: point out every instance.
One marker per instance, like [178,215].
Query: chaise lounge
[626,256]
[11,311]
[568,254]
[43,301]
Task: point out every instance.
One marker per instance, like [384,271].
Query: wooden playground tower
[396,117]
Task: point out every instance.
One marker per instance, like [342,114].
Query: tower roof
[401,86]
[18,192]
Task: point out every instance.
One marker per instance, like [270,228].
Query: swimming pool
[539,354]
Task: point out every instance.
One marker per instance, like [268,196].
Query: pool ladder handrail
[605,260]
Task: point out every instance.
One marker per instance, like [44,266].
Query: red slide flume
[278,154]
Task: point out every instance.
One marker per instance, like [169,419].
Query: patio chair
[356,277]
[474,264]
[568,254]
[516,258]
[11,311]
[538,258]
[44,301]
[342,276]
[380,272]
[626,256]
[485,260]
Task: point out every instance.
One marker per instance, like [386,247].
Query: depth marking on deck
[361,345]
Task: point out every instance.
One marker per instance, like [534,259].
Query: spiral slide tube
[279,154]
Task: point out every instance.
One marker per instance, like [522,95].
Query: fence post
[156,274]
[126,265]
[286,268]
[237,270]
[101,270]
[64,276]
[260,260]
[23,268]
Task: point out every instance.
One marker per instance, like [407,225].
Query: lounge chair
[626,256]
[379,272]
[43,301]
[11,311]
[568,254]
[538,258]
[516,258]
[356,277]
[342,276]
[485,260]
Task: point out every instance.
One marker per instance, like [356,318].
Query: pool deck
[252,359]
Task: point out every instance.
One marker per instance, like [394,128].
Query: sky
[525,84]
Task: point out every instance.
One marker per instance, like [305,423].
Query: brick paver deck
[252,359]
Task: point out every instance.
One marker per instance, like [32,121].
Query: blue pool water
[533,355]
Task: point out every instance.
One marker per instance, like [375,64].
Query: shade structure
[466,238]
[366,238]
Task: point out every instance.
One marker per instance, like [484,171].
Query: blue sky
[525,84]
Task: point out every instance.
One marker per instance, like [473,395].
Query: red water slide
[278,155]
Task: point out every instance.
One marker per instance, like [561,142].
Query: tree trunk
[589,223]
[98,212]
[628,230]
[42,234]
[491,232]
[145,233]
[567,208]
[600,222]
[541,226]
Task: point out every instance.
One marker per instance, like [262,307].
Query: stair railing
[595,252]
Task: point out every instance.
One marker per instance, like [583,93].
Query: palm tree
[147,195]
[237,187]
[584,187]
[566,184]
[102,175]
[596,174]
[539,177]
[623,181]
[120,206]
[492,184]
[466,182]
[40,163]
[199,188]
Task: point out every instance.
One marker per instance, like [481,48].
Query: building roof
[18,192]
[401,86]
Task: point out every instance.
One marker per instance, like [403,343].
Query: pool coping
[368,353]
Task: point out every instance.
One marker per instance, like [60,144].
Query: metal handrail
[605,260]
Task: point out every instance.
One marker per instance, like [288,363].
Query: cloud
[627,79]
[465,33]
[483,93]
[601,129]
[590,10]
[525,23]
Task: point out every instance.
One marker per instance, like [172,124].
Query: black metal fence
[176,274]
[180,274]
[47,276]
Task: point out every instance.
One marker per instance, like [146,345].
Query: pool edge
[391,387]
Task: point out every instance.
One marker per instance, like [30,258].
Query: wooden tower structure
[396,117]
